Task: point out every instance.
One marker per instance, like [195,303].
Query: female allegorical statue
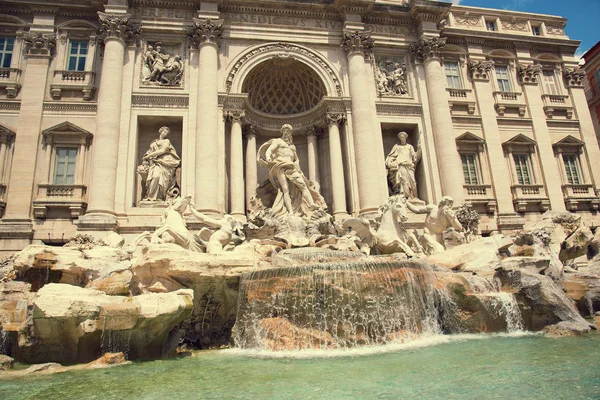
[400,164]
[158,168]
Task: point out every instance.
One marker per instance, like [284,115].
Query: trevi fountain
[294,304]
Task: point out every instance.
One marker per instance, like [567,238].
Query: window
[549,81]
[64,169]
[6,50]
[453,75]
[77,54]
[523,170]
[490,25]
[597,78]
[536,30]
[571,170]
[503,78]
[470,169]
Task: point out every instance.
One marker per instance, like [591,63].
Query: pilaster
[428,52]
[481,71]
[529,77]
[251,166]
[337,165]
[313,155]
[236,164]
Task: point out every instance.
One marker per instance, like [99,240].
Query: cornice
[158,101]
[493,38]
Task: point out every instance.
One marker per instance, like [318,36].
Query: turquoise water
[460,367]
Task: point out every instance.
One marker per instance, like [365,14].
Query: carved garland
[514,25]
[467,20]
[480,70]
[285,47]
[117,27]
[428,48]
[529,73]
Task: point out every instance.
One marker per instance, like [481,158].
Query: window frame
[457,76]
[572,171]
[597,79]
[471,174]
[508,79]
[491,23]
[536,28]
[520,167]
[64,176]
[4,53]
[78,57]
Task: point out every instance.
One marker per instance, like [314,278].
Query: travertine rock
[478,255]
[6,362]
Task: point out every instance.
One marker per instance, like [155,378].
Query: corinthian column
[313,155]
[206,34]
[356,44]
[251,169]
[427,51]
[236,164]
[337,165]
[115,31]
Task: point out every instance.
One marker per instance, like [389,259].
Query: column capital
[311,131]
[117,26]
[480,69]
[234,115]
[251,132]
[334,118]
[206,31]
[357,42]
[574,77]
[529,74]
[39,44]
[428,48]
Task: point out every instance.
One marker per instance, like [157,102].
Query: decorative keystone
[358,42]
[529,74]
[206,31]
[39,44]
[574,77]
[480,70]
[117,27]
[428,48]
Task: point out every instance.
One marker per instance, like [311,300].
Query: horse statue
[390,235]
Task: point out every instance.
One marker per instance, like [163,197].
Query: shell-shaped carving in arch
[249,59]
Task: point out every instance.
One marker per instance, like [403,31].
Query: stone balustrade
[576,195]
[71,197]
[554,102]
[73,80]
[530,195]
[482,195]
[509,100]
[461,98]
[10,80]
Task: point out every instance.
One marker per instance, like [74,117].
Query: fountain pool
[497,366]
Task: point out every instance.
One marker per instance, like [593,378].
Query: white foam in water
[421,342]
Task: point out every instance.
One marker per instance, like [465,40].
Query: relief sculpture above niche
[162,64]
[391,76]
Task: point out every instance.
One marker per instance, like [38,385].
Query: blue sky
[583,15]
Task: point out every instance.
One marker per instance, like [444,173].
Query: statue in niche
[161,68]
[294,193]
[391,78]
[400,164]
[158,169]
[439,222]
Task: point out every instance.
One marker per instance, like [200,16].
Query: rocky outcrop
[6,362]
[71,324]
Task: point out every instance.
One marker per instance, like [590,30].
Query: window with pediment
[66,148]
[75,61]
[478,190]
[11,46]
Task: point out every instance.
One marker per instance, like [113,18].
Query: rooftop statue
[400,164]
[158,168]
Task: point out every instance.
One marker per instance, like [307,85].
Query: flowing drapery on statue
[401,164]
[158,169]
[288,191]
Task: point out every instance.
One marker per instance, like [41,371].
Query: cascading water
[113,340]
[326,304]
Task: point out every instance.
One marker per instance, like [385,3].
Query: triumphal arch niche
[274,84]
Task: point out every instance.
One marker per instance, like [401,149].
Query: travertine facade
[494,98]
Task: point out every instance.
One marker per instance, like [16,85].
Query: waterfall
[336,305]
[4,342]
[113,340]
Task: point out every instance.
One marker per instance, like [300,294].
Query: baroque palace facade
[492,102]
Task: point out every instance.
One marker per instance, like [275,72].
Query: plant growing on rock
[84,241]
[469,219]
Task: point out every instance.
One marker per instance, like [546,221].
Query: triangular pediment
[6,134]
[520,139]
[68,129]
[471,138]
[569,141]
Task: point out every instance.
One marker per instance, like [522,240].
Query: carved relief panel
[391,76]
[162,64]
